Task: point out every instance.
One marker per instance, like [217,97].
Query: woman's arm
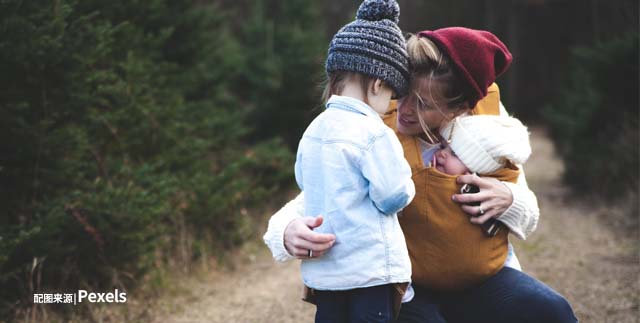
[515,205]
[290,235]
[523,214]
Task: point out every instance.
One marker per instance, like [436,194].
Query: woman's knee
[552,307]
[533,301]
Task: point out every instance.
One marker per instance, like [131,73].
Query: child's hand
[494,197]
[299,238]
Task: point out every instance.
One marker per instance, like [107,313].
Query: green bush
[284,67]
[124,124]
[595,120]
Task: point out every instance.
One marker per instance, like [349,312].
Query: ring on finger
[481,212]
[310,253]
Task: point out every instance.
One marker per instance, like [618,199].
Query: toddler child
[352,170]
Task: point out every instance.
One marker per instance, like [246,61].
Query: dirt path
[576,250]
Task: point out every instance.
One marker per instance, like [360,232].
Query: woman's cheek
[433,119]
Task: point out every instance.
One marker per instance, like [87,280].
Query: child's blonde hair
[336,81]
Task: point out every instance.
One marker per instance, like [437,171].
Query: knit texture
[485,143]
[372,45]
[478,56]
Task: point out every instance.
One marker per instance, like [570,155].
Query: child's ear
[377,86]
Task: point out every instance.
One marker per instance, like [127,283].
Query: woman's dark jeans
[509,296]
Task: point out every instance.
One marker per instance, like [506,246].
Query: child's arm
[388,173]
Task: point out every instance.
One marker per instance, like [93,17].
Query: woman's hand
[299,238]
[494,197]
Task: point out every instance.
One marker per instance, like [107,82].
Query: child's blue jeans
[366,305]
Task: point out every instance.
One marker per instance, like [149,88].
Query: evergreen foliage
[124,124]
[595,120]
[285,66]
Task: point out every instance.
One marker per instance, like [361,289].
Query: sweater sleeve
[274,237]
[523,214]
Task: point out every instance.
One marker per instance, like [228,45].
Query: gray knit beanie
[373,45]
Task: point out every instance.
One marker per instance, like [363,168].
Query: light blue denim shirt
[352,170]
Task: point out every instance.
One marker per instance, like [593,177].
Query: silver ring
[481,210]
[310,253]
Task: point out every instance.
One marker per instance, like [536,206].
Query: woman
[453,70]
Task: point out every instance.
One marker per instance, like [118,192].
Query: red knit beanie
[478,55]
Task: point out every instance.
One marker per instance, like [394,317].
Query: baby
[482,144]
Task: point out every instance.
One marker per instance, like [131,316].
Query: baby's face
[448,163]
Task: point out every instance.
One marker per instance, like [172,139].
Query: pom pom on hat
[373,10]
[484,143]
[478,55]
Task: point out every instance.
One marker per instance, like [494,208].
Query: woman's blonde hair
[426,60]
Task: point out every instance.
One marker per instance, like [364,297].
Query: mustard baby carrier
[447,251]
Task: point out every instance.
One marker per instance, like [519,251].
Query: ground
[588,253]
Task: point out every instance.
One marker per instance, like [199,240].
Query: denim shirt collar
[353,105]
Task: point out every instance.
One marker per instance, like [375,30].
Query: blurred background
[140,137]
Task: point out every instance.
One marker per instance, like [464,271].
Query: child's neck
[353,90]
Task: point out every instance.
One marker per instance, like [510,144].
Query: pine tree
[125,124]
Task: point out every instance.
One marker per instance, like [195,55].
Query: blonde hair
[335,82]
[428,61]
